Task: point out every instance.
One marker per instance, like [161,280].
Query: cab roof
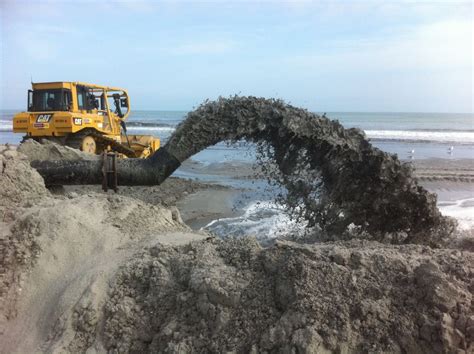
[70,84]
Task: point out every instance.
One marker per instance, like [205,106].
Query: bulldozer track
[114,145]
[75,140]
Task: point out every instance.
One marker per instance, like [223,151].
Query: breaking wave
[263,219]
[428,136]
[459,137]
[420,136]
[462,210]
[6,125]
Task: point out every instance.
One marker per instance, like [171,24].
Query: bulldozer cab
[112,104]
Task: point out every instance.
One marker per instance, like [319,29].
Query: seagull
[411,153]
[450,150]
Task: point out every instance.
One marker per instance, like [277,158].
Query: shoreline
[219,193]
[215,191]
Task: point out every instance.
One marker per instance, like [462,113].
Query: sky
[334,56]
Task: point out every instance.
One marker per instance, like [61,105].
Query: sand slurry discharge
[333,177]
[108,273]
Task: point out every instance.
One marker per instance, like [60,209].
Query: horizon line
[371,112]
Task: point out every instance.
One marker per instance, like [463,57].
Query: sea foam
[465,137]
[263,219]
[462,210]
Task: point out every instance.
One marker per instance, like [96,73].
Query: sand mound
[20,184]
[235,296]
[48,150]
[108,273]
[20,187]
[54,249]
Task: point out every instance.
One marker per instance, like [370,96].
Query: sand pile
[215,296]
[20,188]
[48,150]
[98,273]
[20,184]
[57,252]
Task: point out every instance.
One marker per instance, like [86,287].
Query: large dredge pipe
[333,176]
[131,172]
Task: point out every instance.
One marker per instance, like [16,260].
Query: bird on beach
[450,150]
[411,153]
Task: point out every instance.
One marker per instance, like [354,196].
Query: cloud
[40,42]
[136,6]
[35,30]
[203,47]
[440,45]
[48,29]
[424,67]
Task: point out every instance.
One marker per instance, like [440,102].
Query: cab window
[82,98]
[49,100]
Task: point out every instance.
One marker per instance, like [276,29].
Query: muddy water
[335,179]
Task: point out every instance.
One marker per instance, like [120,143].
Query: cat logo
[78,121]
[43,118]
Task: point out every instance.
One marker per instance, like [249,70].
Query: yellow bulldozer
[88,117]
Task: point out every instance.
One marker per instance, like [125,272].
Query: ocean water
[393,131]
[411,136]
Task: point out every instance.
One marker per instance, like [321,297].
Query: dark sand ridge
[361,185]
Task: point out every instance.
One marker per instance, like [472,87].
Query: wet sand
[447,170]
[451,179]
[199,203]
[432,170]
[203,199]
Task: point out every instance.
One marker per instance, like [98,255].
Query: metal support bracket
[109,171]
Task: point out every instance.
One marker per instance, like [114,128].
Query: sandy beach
[92,271]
